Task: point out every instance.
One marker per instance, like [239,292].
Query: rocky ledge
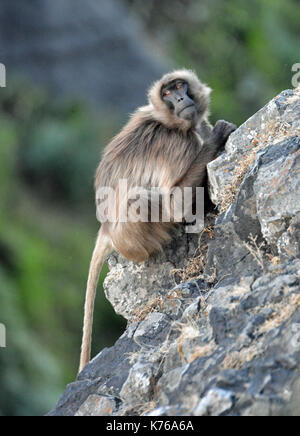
[214,322]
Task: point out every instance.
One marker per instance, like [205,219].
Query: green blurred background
[49,149]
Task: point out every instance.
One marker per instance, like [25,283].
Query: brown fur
[154,149]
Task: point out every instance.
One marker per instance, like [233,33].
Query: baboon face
[178,99]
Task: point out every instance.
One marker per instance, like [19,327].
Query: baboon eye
[167,93]
[179,85]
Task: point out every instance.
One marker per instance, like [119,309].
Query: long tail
[102,249]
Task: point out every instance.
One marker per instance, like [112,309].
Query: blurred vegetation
[48,154]
[243,50]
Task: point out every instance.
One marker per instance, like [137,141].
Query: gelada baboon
[166,144]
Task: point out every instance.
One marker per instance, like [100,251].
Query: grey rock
[104,375]
[98,405]
[278,192]
[192,311]
[227,344]
[74,397]
[138,388]
[153,331]
[215,403]
[278,120]
[267,204]
[166,411]
[228,252]
[130,286]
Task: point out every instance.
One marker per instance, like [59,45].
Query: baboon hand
[221,133]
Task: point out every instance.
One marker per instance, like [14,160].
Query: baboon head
[179,99]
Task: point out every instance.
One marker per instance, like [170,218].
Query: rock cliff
[214,322]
